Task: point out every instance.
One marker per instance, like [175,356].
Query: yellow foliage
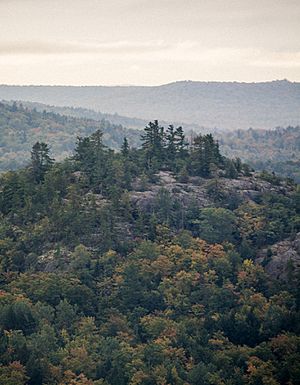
[162,265]
[138,378]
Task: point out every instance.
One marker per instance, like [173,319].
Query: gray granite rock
[279,256]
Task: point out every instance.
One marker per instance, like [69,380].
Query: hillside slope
[210,104]
[134,123]
[20,128]
[140,268]
[275,150]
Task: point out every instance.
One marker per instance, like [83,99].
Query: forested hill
[167,264]
[79,112]
[211,104]
[21,127]
[275,150]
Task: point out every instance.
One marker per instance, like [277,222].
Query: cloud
[44,47]
[277,59]
[187,51]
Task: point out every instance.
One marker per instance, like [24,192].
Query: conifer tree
[171,146]
[83,153]
[41,161]
[101,160]
[197,156]
[205,153]
[180,143]
[125,151]
[230,169]
[93,158]
[153,144]
[125,148]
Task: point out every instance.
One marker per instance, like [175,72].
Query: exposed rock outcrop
[281,258]
[195,191]
[185,193]
[54,260]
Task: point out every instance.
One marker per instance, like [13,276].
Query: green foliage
[13,374]
[217,225]
[21,127]
[40,161]
[204,155]
[275,150]
[96,290]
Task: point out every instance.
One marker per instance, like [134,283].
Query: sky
[148,42]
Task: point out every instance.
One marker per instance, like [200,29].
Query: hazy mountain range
[116,119]
[229,105]
[21,125]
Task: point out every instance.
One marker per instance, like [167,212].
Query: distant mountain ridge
[21,127]
[275,150]
[130,123]
[229,105]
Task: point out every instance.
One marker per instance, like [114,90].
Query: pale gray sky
[148,42]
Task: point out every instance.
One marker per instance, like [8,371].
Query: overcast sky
[148,42]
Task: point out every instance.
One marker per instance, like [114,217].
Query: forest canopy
[139,267]
[22,125]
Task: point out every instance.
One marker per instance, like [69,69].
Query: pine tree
[101,161]
[180,143]
[125,148]
[230,169]
[197,156]
[13,194]
[96,140]
[204,155]
[153,144]
[41,161]
[83,153]
[171,146]
[93,157]
[127,177]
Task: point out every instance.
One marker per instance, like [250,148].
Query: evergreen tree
[125,148]
[13,194]
[205,153]
[93,158]
[84,155]
[180,143]
[230,169]
[171,146]
[101,161]
[41,161]
[153,144]
[197,164]
[96,140]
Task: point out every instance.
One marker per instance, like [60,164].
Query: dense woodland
[79,112]
[95,290]
[275,150]
[21,125]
